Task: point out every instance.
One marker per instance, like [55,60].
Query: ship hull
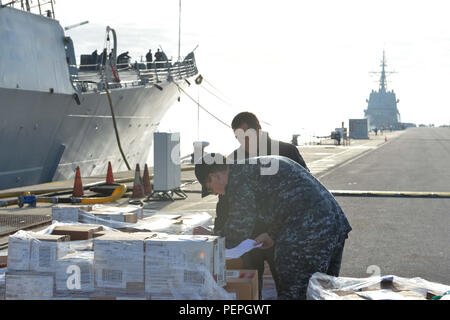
[45,136]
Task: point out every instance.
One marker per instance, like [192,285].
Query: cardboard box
[235,264]
[68,213]
[77,231]
[3,261]
[19,251]
[45,249]
[105,217]
[74,273]
[244,283]
[52,237]
[29,286]
[139,211]
[183,262]
[119,261]
[108,215]
[102,233]
[28,251]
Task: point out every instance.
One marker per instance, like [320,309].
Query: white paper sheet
[243,247]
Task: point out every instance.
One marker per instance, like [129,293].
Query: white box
[34,252]
[183,262]
[119,260]
[119,210]
[19,252]
[44,253]
[29,286]
[73,267]
[68,213]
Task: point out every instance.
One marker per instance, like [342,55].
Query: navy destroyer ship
[56,115]
[382,112]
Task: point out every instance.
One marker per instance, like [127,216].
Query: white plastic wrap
[183,223]
[97,214]
[182,264]
[29,286]
[390,287]
[122,218]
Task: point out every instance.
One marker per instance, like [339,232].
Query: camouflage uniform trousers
[296,262]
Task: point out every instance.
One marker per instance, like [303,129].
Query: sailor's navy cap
[209,163]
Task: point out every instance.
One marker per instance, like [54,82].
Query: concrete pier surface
[403,237]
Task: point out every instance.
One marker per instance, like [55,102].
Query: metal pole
[198,114]
[179,30]
[53,9]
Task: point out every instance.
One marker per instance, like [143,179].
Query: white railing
[45,8]
[131,75]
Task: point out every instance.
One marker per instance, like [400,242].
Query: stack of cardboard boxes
[85,261]
[97,214]
[115,265]
[130,218]
[32,263]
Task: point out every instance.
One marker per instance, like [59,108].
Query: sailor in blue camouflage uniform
[304,222]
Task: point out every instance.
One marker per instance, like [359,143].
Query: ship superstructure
[56,114]
[382,111]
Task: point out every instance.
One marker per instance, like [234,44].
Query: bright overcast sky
[296,64]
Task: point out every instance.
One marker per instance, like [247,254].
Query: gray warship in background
[382,112]
[56,115]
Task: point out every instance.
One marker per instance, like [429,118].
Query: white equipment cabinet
[167,166]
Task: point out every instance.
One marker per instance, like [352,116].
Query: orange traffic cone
[147,184]
[78,185]
[385,139]
[109,175]
[138,188]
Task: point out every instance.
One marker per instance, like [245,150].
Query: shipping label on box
[29,286]
[74,273]
[180,260]
[119,260]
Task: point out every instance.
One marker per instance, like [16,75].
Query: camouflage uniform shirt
[291,197]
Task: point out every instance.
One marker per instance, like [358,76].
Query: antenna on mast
[383,81]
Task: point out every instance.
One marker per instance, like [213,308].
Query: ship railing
[45,8]
[91,76]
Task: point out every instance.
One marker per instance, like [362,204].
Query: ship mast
[383,75]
